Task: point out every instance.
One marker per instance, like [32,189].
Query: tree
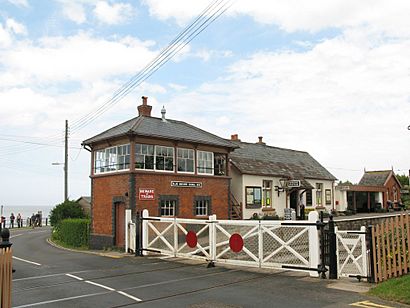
[67,209]
[403,179]
[345,183]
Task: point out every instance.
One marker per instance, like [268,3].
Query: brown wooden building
[166,166]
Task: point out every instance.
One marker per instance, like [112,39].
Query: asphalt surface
[47,276]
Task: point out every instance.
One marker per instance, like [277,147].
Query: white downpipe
[127,229]
[314,246]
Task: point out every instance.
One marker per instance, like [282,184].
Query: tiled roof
[260,159]
[375,178]
[157,128]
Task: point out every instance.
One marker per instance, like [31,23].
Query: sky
[328,77]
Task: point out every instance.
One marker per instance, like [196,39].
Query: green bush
[73,232]
[67,209]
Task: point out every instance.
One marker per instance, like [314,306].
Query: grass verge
[396,289]
[62,244]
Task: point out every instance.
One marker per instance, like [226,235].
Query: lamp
[282,186]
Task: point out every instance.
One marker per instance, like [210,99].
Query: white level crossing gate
[351,253]
[292,245]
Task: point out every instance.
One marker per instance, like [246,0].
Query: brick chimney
[234,137]
[260,140]
[144,109]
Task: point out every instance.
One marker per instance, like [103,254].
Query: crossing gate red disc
[191,239]
[236,242]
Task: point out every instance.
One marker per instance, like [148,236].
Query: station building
[267,181]
[376,190]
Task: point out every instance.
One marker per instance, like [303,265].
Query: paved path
[50,277]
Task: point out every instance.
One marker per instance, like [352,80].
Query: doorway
[120,224]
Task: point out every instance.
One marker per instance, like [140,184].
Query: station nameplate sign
[146,194]
[293,183]
[186,184]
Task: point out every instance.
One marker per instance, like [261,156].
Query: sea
[26,211]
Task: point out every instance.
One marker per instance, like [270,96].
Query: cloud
[74,11]
[73,58]
[15,27]
[19,3]
[177,87]
[9,30]
[114,14]
[290,16]
[346,100]
[46,80]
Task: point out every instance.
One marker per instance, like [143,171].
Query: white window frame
[173,157]
[208,171]
[108,159]
[156,148]
[319,192]
[265,191]
[168,205]
[144,155]
[185,159]
[202,206]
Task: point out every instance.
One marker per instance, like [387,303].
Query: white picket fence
[292,245]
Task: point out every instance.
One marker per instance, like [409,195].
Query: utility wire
[200,23]
[126,86]
[215,10]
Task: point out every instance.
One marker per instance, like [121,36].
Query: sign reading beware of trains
[146,194]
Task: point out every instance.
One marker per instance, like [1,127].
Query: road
[47,276]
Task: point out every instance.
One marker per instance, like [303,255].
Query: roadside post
[6,269]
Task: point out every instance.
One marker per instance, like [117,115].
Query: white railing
[292,245]
[351,253]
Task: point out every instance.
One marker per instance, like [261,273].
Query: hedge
[73,232]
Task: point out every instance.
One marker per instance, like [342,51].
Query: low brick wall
[356,223]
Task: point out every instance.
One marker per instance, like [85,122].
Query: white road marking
[105,287]
[16,235]
[61,300]
[99,285]
[27,261]
[50,275]
[75,277]
[130,296]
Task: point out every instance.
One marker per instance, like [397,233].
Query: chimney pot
[234,137]
[260,140]
[144,109]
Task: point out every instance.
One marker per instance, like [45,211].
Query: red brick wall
[105,187]
[103,190]
[215,187]
[389,185]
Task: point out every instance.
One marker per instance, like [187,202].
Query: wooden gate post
[5,269]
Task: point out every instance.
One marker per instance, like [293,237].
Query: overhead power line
[211,13]
[207,17]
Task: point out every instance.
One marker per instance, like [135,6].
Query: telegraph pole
[66,162]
